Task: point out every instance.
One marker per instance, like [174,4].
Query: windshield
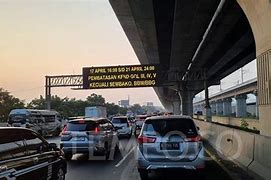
[165,126]
[17,118]
[119,120]
[81,126]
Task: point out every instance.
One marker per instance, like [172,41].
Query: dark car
[139,120]
[25,155]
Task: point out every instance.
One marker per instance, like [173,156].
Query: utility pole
[48,92]
[208,111]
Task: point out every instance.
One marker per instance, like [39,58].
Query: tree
[73,107]
[7,103]
[37,103]
[113,109]
[137,109]
[95,100]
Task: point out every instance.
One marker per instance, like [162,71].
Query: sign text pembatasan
[121,76]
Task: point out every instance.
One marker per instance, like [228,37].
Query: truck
[45,122]
[95,112]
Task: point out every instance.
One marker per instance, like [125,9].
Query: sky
[55,37]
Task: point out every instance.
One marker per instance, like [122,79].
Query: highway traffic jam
[38,145]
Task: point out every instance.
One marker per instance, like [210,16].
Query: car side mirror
[53,146]
[198,128]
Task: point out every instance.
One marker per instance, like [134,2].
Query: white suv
[170,142]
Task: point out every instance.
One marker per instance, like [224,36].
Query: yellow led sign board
[121,76]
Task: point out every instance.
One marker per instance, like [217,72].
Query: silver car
[169,142]
[89,136]
[122,125]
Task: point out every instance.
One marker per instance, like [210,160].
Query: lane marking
[125,157]
[221,165]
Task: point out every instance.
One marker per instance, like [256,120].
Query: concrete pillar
[208,111]
[176,107]
[199,108]
[258,15]
[196,109]
[241,105]
[186,102]
[219,107]
[227,106]
[202,109]
[213,108]
[257,104]
[264,91]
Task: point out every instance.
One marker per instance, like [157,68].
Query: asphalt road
[124,167]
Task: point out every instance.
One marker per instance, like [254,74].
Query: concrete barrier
[252,123]
[243,147]
[3,124]
[217,136]
[262,157]
[250,151]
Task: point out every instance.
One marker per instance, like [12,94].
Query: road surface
[124,167]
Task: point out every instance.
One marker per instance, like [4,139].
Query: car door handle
[3,168]
[35,160]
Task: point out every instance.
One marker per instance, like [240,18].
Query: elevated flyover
[238,114]
[198,43]
[221,102]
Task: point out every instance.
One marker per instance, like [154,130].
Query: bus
[45,122]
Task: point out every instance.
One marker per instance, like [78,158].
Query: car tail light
[97,129]
[196,138]
[144,139]
[81,121]
[201,167]
[64,131]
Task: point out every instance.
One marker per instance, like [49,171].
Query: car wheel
[200,175]
[68,156]
[40,132]
[107,151]
[143,174]
[116,151]
[60,174]
[57,132]
[130,135]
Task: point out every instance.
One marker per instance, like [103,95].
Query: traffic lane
[212,172]
[123,167]
[84,167]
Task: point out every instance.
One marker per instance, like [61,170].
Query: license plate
[79,138]
[170,146]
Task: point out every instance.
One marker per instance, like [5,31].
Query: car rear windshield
[81,126]
[165,126]
[20,118]
[119,120]
[142,118]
